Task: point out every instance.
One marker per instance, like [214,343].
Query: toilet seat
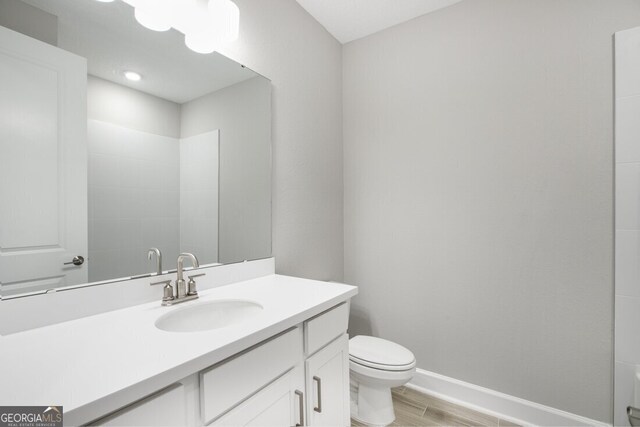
[367,375]
[382,366]
[378,353]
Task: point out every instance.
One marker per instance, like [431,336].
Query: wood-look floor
[417,409]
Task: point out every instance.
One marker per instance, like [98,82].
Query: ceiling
[108,35]
[349,20]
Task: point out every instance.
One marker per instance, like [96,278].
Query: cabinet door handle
[319,388]
[301,403]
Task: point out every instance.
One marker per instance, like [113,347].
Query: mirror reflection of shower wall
[148,187]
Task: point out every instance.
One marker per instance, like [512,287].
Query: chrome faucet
[158,254]
[182,291]
[181,285]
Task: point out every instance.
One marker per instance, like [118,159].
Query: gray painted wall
[242,112]
[280,40]
[121,105]
[29,20]
[478,144]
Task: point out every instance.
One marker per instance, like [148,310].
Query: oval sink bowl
[208,315]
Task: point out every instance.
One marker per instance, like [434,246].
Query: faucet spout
[181,258]
[181,286]
[158,255]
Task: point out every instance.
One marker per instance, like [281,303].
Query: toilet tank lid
[379,351]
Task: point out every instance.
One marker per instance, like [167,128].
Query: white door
[327,379]
[43,165]
[277,405]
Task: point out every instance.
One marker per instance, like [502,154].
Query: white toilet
[375,366]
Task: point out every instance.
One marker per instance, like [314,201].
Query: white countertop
[97,364]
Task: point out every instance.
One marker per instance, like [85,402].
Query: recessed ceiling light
[105,1]
[132,75]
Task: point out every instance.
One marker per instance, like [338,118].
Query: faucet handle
[191,286]
[167,289]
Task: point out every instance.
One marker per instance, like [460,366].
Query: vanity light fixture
[206,24]
[156,17]
[132,75]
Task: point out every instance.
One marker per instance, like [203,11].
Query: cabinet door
[327,380]
[43,165]
[224,386]
[165,408]
[277,405]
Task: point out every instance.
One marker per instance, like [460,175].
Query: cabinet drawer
[275,405]
[225,385]
[325,327]
[164,408]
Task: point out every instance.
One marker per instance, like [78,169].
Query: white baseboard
[491,402]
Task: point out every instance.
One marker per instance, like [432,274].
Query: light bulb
[154,14]
[201,42]
[206,24]
[226,19]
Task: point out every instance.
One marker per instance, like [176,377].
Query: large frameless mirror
[116,141]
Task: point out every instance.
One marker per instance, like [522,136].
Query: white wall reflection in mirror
[102,166]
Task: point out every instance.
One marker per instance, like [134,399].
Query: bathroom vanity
[284,363]
[103,171]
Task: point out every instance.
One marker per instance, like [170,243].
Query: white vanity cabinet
[167,407]
[298,377]
[327,380]
[327,368]
[278,404]
[224,385]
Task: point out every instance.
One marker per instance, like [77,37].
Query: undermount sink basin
[205,316]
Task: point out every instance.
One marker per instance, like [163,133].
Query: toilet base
[372,406]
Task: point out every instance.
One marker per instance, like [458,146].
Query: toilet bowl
[375,366]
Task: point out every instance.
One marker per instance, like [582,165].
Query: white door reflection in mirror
[43,166]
